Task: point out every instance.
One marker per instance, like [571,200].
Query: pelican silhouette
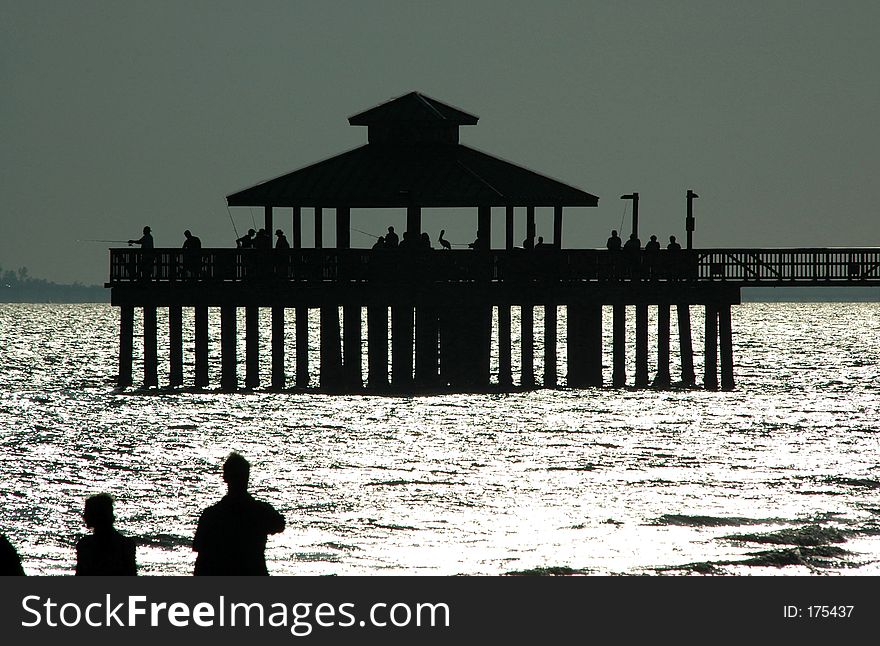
[443,242]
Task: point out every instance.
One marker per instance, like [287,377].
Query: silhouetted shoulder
[10,563]
[106,554]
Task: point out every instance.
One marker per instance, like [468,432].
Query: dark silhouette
[10,563]
[541,244]
[673,245]
[443,241]
[145,241]
[379,244]
[424,241]
[192,255]
[147,259]
[262,240]
[529,242]
[246,241]
[231,535]
[652,244]
[105,552]
[652,251]
[391,239]
[633,244]
[614,243]
[480,243]
[407,243]
[281,242]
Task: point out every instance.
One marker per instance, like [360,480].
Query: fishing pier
[427,314]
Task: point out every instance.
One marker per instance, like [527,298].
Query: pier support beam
[710,378]
[641,345]
[527,346]
[175,345]
[688,378]
[302,347]
[618,377]
[201,343]
[252,346]
[228,343]
[584,345]
[278,377]
[377,351]
[151,376]
[331,351]
[427,347]
[402,346]
[351,339]
[662,379]
[505,371]
[550,377]
[126,345]
[297,227]
[726,333]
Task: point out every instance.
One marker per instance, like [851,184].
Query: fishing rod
[115,241]
[365,233]
[231,219]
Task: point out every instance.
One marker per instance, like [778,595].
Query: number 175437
[823,612]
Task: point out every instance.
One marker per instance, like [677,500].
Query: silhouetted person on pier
[443,241]
[652,250]
[408,243]
[262,240]
[541,244]
[614,243]
[192,255]
[10,562]
[105,552]
[529,242]
[480,243]
[231,535]
[391,239]
[281,241]
[148,258]
[674,261]
[631,250]
[246,241]
[673,245]
[379,244]
[652,244]
[425,241]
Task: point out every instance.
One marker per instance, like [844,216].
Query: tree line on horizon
[17,286]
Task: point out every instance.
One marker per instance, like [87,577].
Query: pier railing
[743,266]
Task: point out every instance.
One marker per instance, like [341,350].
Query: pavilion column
[618,377]
[550,378]
[505,371]
[527,345]
[508,229]
[484,224]
[530,223]
[685,344]
[343,227]
[175,345]
[252,346]
[302,347]
[377,352]
[710,378]
[414,221]
[297,227]
[126,345]
[228,343]
[151,377]
[351,338]
[662,379]
[201,346]
[427,348]
[641,345]
[726,333]
[402,345]
[331,353]
[557,227]
[267,215]
[319,227]
[278,377]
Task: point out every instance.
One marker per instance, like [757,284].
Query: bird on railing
[443,242]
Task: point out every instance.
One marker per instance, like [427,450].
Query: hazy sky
[119,114]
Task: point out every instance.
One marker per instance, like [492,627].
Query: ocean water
[780,476]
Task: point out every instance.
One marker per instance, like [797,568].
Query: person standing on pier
[614,242]
[391,239]
[652,251]
[192,255]
[246,241]
[281,242]
[105,552]
[231,535]
[147,258]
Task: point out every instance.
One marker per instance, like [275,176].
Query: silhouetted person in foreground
[614,243]
[246,241]
[231,535]
[10,563]
[192,254]
[391,239]
[105,552]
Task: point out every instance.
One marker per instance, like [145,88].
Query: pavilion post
[343,227]
[414,221]
[319,227]
[530,225]
[268,221]
[557,227]
[508,229]
[297,227]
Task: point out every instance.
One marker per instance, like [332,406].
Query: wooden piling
[278,377]
[126,345]
[726,334]
[175,345]
[527,346]
[330,348]
[618,377]
[302,347]
[352,354]
[427,346]
[228,347]
[201,346]
[151,376]
[710,379]
[252,346]
[663,378]
[377,351]
[402,346]
[641,345]
[550,368]
[685,345]
[592,326]
[505,371]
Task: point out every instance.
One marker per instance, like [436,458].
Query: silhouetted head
[390,229]
[146,229]
[614,233]
[236,471]
[187,234]
[654,238]
[540,239]
[251,232]
[671,238]
[279,232]
[632,236]
[98,513]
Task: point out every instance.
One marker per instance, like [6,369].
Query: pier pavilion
[441,301]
